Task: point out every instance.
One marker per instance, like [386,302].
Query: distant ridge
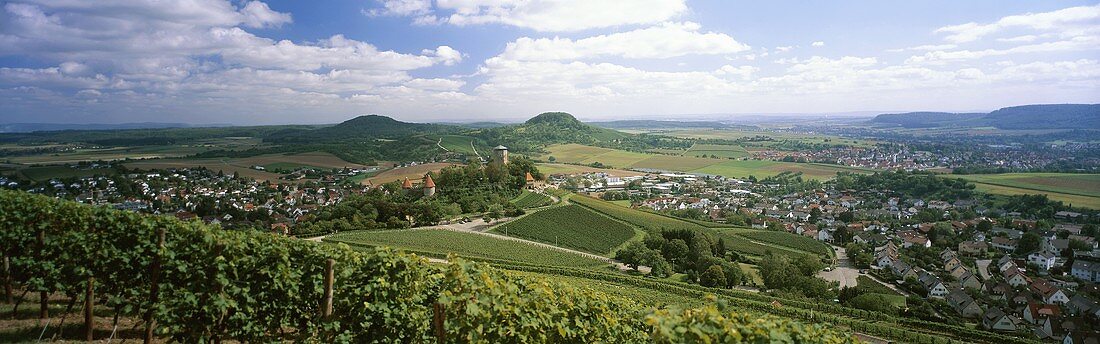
[1045,116]
[33,127]
[362,127]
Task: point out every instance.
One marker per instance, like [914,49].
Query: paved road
[983,268]
[848,276]
[843,273]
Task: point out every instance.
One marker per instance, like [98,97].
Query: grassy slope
[570,226]
[474,246]
[654,222]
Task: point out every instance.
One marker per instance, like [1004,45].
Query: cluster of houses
[1008,297]
[1036,293]
[202,194]
[856,156]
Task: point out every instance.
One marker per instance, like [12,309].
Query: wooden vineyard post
[154,279]
[439,315]
[330,279]
[43,296]
[8,293]
[89,303]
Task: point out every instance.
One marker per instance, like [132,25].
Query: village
[1002,270]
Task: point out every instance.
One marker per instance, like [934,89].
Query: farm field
[1063,183]
[1075,200]
[548,169]
[720,151]
[573,153]
[764,168]
[676,163]
[439,242]
[581,154]
[571,226]
[415,173]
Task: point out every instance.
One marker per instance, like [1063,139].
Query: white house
[1043,259]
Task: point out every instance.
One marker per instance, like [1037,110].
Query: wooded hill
[1050,116]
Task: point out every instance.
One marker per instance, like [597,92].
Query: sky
[292,61]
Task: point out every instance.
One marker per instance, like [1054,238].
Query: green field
[458,144]
[570,226]
[788,240]
[780,243]
[719,151]
[436,242]
[1078,189]
[765,168]
[580,154]
[527,199]
[42,173]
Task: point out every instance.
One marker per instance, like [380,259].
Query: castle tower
[429,185]
[406,185]
[500,155]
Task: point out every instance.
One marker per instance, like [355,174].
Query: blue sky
[253,62]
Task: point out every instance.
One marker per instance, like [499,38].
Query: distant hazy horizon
[284,61]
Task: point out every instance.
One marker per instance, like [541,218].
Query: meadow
[440,243]
[459,144]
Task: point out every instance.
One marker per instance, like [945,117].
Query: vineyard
[440,243]
[528,199]
[194,283]
[899,329]
[570,226]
